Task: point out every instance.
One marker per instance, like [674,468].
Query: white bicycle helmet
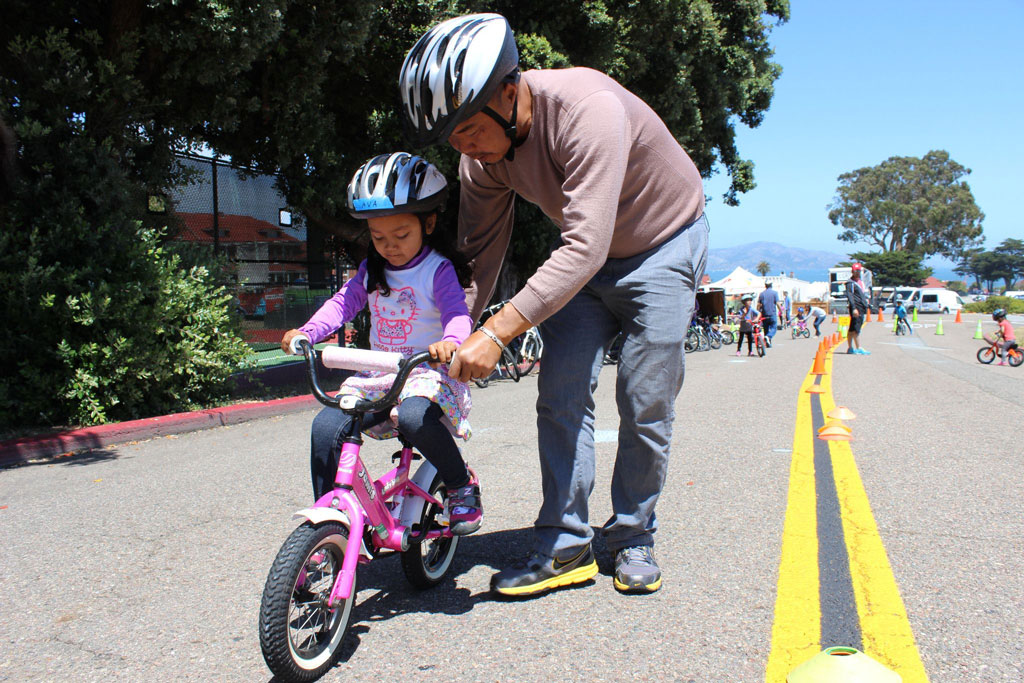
[452,72]
[395,183]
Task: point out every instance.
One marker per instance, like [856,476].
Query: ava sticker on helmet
[372,204]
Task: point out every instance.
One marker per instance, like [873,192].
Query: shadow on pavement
[78,458]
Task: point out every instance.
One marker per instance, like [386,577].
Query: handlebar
[359,359]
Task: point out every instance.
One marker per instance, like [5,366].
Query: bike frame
[360,503]
[364,503]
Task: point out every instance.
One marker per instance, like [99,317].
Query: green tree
[965,265]
[763,267]
[894,268]
[1012,252]
[95,97]
[909,204]
[993,266]
[957,286]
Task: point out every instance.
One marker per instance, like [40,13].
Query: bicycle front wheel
[300,635]
[986,355]
[760,346]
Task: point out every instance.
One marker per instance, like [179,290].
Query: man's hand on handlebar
[442,351]
[476,358]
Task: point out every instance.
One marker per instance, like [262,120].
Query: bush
[100,323]
[1009,304]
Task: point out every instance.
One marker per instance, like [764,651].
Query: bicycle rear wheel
[986,355]
[1014,357]
[426,564]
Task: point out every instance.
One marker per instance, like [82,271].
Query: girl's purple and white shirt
[426,305]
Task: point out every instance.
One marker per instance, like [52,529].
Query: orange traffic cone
[835,318]
[815,389]
[835,339]
[880,319]
[958,318]
[819,363]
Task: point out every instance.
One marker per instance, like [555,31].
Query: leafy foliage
[1005,262]
[909,204]
[763,267]
[99,323]
[1009,304]
[95,97]
[894,268]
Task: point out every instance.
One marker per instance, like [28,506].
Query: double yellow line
[796,633]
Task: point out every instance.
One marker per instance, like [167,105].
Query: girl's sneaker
[737,353]
[464,508]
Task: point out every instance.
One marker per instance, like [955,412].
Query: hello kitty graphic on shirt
[394,315]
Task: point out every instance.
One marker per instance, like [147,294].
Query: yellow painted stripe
[885,627]
[796,632]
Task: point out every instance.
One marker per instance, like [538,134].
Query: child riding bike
[902,326]
[412,280]
[1004,335]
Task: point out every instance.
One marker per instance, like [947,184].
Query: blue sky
[863,81]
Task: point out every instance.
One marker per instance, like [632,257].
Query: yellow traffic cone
[840,665]
[914,318]
[978,333]
[938,328]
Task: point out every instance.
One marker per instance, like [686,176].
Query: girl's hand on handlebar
[442,351]
[286,340]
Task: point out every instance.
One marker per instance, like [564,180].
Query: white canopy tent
[740,281]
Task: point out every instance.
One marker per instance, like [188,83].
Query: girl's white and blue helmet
[395,183]
[452,72]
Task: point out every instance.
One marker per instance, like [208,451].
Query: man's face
[480,137]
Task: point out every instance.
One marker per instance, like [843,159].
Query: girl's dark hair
[441,240]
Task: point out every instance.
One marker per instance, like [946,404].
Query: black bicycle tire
[412,559]
[278,592]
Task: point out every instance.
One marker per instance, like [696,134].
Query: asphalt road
[146,561]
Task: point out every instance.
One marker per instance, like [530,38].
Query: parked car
[936,300]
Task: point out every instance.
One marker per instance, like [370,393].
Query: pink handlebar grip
[360,359]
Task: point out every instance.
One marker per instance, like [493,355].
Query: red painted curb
[27,448]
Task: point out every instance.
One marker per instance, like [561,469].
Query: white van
[936,300]
[904,293]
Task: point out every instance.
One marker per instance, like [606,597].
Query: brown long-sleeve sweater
[600,164]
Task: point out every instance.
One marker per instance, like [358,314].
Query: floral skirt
[449,393]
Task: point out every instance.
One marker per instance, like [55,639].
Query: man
[629,205]
[768,303]
[818,314]
[786,306]
[857,297]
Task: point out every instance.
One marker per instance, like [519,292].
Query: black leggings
[750,341]
[419,421]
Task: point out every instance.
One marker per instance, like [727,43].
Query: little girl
[412,281]
[747,315]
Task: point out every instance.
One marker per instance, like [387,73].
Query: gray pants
[650,297]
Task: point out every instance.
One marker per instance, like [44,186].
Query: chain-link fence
[278,280]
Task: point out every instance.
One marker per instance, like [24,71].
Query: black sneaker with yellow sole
[539,573]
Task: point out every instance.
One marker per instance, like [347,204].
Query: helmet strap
[511,132]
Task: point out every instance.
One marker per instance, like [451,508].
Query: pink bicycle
[309,593]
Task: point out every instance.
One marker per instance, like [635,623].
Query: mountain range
[779,257]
